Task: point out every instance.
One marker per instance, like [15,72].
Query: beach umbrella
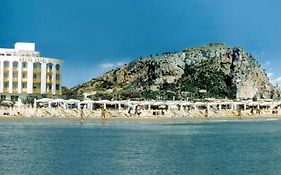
[59,100]
[44,100]
[7,103]
[72,101]
[162,106]
[87,102]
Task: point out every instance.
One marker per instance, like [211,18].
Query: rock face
[214,70]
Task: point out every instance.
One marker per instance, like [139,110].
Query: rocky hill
[214,70]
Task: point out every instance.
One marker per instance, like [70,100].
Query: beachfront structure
[23,71]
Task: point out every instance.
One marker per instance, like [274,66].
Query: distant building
[23,72]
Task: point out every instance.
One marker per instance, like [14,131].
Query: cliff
[214,70]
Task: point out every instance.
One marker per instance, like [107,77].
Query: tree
[70,94]
[29,99]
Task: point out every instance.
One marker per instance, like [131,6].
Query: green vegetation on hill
[211,71]
[207,81]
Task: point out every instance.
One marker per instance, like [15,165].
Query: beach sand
[147,119]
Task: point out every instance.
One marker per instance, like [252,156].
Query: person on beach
[273,111]
[258,111]
[137,112]
[105,112]
[131,108]
[239,115]
[206,113]
[252,111]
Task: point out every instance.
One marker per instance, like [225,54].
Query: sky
[95,36]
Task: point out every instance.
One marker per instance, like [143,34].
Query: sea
[122,147]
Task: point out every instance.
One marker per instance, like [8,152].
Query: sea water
[137,147]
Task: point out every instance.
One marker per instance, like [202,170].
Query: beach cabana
[59,102]
[44,102]
[104,103]
[72,103]
[145,104]
[86,104]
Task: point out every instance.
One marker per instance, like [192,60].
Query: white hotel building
[23,72]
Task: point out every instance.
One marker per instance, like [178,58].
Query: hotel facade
[23,71]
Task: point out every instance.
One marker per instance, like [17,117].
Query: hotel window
[49,88]
[6,85]
[24,85]
[24,75]
[15,64]
[6,74]
[24,64]
[6,63]
[49,66]
[36,86]
[57,87]
[37,65]
[35,76]
[8,54]
[50,78]
[57,67]
[57,77]
[15,74]
[2,54]
[15,85]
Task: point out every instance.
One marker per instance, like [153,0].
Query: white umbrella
[72,101]
[6,102]
[59,100]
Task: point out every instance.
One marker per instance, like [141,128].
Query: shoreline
[144,119]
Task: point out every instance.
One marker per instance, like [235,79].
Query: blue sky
[93,36]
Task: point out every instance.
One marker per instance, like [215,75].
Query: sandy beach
[38,114]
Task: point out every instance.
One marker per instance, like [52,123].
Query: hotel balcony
[57,81]
[49,92]
[49,72]
[6,69]
[23,90]
[24,69]
[36,91]
[24,79]
[15,90]
[37,80]
[37,70]
[15,79]
[57,92]
[5,90]
[6,79]
[57,71]
[49,81]
[15,69]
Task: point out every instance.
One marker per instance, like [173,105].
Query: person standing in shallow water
[82,116]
